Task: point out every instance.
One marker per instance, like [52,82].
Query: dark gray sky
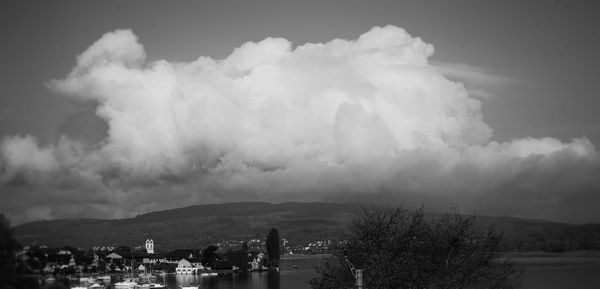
[531,65]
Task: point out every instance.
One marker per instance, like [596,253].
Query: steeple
[150,246]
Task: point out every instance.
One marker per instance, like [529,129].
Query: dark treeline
[553,238]
[40,259]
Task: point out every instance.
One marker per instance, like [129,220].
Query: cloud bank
[368,120]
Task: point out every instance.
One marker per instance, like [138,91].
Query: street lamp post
[357,273]
[359,279]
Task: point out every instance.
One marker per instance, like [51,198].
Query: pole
[356,273]
[359,278]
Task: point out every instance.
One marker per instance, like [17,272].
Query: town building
[188,267]
[149,246]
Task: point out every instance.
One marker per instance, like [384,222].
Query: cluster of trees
[572,238]
[397,249]
[240,257]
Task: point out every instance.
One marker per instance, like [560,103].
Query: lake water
[556,272]
[271,280]
[540,272]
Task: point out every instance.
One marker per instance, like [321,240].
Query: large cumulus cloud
[353,120]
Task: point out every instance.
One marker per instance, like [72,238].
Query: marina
[539,272]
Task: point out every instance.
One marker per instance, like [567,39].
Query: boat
[96,286]
[148,280]
[150,286]
[82,281]
[85,279]
[126,284]
[105,278]
[88,280]
[50,279]
[147,276]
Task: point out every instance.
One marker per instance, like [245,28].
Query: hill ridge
[197,226]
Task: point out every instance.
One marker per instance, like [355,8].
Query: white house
[50,267]
[257,261]
[185,267]
[197,264]
[255,264]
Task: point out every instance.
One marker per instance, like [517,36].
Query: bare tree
[399,249]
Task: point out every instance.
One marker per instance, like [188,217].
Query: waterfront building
[186,267]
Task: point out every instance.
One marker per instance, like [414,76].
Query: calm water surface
[271,280]
[560,272]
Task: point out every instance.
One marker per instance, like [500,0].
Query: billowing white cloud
[361,119]
[22,156]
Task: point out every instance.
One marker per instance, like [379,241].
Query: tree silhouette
[273,247]
[8,262]
[210,255]
[397,249]
[238,258]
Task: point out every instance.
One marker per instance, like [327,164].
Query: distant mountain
[198,226]
[195,226]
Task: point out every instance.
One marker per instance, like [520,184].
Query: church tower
[149,246]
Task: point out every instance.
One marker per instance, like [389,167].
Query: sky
[109,109]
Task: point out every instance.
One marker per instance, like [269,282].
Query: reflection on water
[271,280]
